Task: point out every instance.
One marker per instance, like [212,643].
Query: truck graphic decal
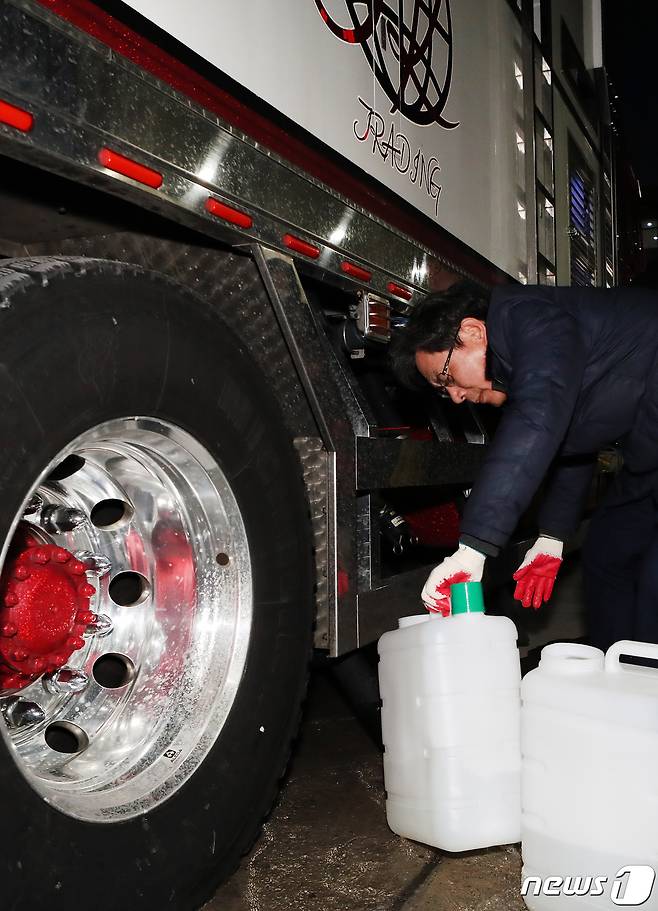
[393,147]
[409,49]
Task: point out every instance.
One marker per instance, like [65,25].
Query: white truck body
[464,168]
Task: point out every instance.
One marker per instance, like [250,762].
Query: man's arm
[548,356]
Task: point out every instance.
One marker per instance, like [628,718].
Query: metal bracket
[340,420]
[317,465]
[345,467]
[477,433]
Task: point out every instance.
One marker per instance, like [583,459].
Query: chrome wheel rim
[177,603]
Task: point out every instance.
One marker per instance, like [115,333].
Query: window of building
[536,18]
[582,220]
[577,76]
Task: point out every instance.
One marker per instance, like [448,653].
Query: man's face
[466,380]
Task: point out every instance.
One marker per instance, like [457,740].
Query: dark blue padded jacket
[580,367]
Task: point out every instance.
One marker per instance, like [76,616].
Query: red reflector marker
[301,246]
[356,271]
[129,168]
[398,291]
[227,213]
[15,117]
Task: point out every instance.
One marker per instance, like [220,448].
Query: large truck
[214,217]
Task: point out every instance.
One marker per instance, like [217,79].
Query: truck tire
[141,439]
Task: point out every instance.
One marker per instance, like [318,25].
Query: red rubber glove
[465,565]
[535,577]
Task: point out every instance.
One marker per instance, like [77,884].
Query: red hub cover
[44,610]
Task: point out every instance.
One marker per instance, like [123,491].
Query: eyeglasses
[444,379]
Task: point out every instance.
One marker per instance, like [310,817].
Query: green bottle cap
[466,598]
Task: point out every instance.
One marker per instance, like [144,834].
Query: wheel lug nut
[101,626]
[34,505]
[75,642]
[86,617]
[65,680]
[98,564]
[56,519]
[19,713]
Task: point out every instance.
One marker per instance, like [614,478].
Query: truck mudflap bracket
[317,466]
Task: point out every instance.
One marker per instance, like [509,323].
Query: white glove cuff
[550,546]
[472,561]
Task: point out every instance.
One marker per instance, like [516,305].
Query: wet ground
[327,847]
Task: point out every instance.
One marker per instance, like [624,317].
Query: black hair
[434,326]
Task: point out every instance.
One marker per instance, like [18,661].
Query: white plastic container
[589,739]
[451,728]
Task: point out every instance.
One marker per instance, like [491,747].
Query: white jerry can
[589,742]
[451,727]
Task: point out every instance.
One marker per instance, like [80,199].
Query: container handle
[629,647]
